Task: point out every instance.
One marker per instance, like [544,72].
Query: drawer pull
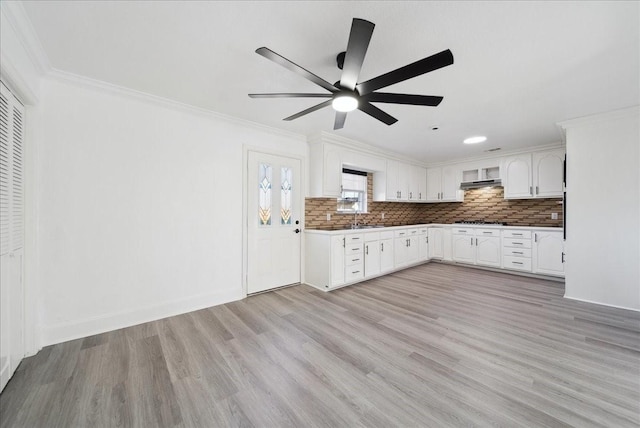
[516,263]
[517,243]
[488,233]
[355,239]
[517,252]
[357,271]
[517,234]
[355,260]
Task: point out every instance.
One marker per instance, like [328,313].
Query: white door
[393,186]
[11,234]
[451,184]
[434,184]
[275,198]
[517,177]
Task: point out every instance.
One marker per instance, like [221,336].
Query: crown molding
[112,89]
[599,117]
[16,16]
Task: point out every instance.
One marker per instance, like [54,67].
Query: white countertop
[411,226]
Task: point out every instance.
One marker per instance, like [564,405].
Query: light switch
[554,216]
[328,216]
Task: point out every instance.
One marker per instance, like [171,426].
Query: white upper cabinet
[533,175]
[325,170]
[402,182]
[443,184]
[547,174]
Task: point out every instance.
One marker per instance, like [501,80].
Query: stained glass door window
[264,194]
[285,195]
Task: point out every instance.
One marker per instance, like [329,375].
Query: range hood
[491,182]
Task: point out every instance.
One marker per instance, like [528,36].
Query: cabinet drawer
[401,233]
[354,273]
[516,243]
[371,236]
[462,231]
[354,238]
[413,232]
[387,234]
[487,232]
[351,249]
[516,263]
[354,259]
[517,252]
[523,234]
[423,231]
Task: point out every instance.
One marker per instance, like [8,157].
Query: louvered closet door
[11,234]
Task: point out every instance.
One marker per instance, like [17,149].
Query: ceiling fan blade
[359,39]
[309,110]
[279,59]
[425,65]
[290,95]
[416,100]
[375,112]
[340,118]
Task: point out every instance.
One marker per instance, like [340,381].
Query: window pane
[285,195]
[264,204]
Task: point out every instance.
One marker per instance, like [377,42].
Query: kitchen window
[354,192]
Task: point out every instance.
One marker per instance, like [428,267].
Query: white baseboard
[601,304]
[71,330]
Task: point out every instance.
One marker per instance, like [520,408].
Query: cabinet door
[386,255]
[488,251]
[436,243]
[548,248]
[393,187]
[547,174]
[337,259]
[400,250]
[404,178]
[451,178]
[371,259]
[434,184]
[463,249]
[332,171]
[418,184]
[413,249]
[423,247]
[517,177]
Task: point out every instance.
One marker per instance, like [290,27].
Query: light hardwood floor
[436,345]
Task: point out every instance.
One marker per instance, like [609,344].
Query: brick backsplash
[479,204]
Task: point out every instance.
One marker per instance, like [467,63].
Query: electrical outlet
[328,216]
[382,216]
[554,216]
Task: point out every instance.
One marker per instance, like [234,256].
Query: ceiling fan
[349,94]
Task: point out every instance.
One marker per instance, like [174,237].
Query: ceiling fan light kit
[348,94]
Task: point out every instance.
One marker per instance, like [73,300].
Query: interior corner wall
[603,210]
[140,209]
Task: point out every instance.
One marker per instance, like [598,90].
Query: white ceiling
[519,68]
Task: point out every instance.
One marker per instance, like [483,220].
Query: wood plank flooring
[435,346]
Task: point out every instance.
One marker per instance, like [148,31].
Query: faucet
[354,225]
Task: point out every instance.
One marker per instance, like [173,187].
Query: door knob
[297,231]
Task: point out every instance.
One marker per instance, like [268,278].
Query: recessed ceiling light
[344,103]
[475,140]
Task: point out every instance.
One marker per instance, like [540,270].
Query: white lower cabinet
[516,250]
[463,249]
[476,246]
[371,254]
[488,251]
[548,253]
[435,239]
[386,252]
[337,260]
[423,244]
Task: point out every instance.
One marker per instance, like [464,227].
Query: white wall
[140,209]
[603,209]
